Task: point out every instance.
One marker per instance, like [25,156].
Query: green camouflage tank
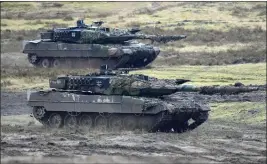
[90,46]
[115,99]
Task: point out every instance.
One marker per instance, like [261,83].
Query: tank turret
[97,34]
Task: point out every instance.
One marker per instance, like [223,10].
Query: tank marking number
[100,99]
[99,83]
[73,96]
[73,34]
[103,100]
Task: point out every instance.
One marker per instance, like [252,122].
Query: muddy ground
[25,140]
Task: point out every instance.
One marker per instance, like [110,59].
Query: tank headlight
[127,51]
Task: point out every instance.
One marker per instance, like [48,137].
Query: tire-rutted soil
[210,143]
[213,142]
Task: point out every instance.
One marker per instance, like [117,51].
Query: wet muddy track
[210,143]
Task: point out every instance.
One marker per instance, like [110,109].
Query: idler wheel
[101,123]
[199,118]
[115,123]
[38,112]
[130,122]
[45,63]
[55,120]
[86,122]
[70,122]
[32,59]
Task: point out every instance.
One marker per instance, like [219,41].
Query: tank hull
[114,112]
[57,54]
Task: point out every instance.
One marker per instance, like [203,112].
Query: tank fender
[153,107]
[34,98]
[35,41]
[28,46]
[32,95]
[44,92]
[203,108]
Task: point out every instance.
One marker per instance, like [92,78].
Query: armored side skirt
[71,102]
[56,109]
[54,54]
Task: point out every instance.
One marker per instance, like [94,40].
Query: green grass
[166,12]
[252,113]
[213,75]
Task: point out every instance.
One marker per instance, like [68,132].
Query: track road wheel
[55,120]
[101,123]
[45,63]
[38,112]
[70,122]
[86,122]
[130,122]
[56,63]
[115,123]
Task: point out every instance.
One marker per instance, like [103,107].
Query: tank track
[162,122]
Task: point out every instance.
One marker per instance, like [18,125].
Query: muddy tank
[92,46]
[116,101]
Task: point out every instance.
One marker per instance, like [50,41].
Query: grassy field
[239,112]
[218,32]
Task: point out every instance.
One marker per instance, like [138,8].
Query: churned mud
[25,140]
[212,142]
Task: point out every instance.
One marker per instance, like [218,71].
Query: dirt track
[210,143]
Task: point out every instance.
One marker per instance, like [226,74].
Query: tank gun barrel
[209,90]
[163,38]
[123,38]
[223,90]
